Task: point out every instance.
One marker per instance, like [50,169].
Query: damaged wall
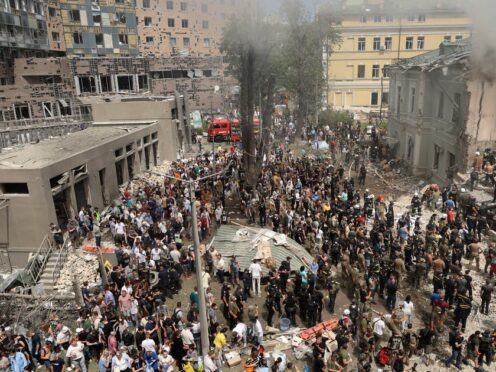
[50,87]
[481,122]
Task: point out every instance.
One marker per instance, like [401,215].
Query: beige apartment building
[188,27]
[376,34]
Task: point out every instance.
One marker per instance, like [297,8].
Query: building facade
[23,30]
[441,111]
[187,27]
[376,34]
[51,88]
[97,28]
[59,176]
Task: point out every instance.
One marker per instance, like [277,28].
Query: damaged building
[53,89]
[57,175]
[441,111]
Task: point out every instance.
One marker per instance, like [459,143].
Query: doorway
[62,202]
[81,197]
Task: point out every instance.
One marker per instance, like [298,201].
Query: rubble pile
[143,180]
[83,265]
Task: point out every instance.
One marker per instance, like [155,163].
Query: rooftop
[88,100]
[50,151]
[447,54]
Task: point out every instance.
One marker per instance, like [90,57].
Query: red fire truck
[219,129]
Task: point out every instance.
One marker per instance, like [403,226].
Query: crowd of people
[379,261]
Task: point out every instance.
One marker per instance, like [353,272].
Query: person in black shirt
[318,364]
[456,343]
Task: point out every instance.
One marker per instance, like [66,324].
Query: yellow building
[376,35]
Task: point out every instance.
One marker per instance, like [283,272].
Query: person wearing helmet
[416,204]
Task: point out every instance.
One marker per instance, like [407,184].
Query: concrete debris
[84,266]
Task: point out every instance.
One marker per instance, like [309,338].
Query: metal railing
[61,258]
[38,262]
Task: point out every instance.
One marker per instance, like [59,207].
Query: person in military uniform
[463,309]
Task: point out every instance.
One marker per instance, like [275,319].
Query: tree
[250,49]
[307,35]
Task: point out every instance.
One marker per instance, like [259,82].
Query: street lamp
[198,266]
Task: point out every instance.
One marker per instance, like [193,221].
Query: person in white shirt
[378,326]
[156,254]
[218,215]
[256,275]
[121,362]
[239,333]
[258,330]
[220,268]
[148,344]
[175,255]
[75,352]
[408,310]
[187,336]
[205,280]
[208,362]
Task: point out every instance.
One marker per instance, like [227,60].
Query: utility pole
[212,122]
[201,291]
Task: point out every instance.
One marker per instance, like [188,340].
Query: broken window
[437,155]
[184,23]
[87,84]
[77,37]
[49,109]
[412,99]
[440,106]
[22,112]
[186,42]
[456,108]
[171,22]
[58,182]
[149,40]
[398,101]
[130,166]
[106,84]
[99,40]
[119,170]
[123,40]
[80,171]
[97,19]
[74,15]
[65,109]
[120,17]
[451,159]
[55,36]
[14,188]
[143,82]
[148,22]
[125,83]
[420,42]
[52,12]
